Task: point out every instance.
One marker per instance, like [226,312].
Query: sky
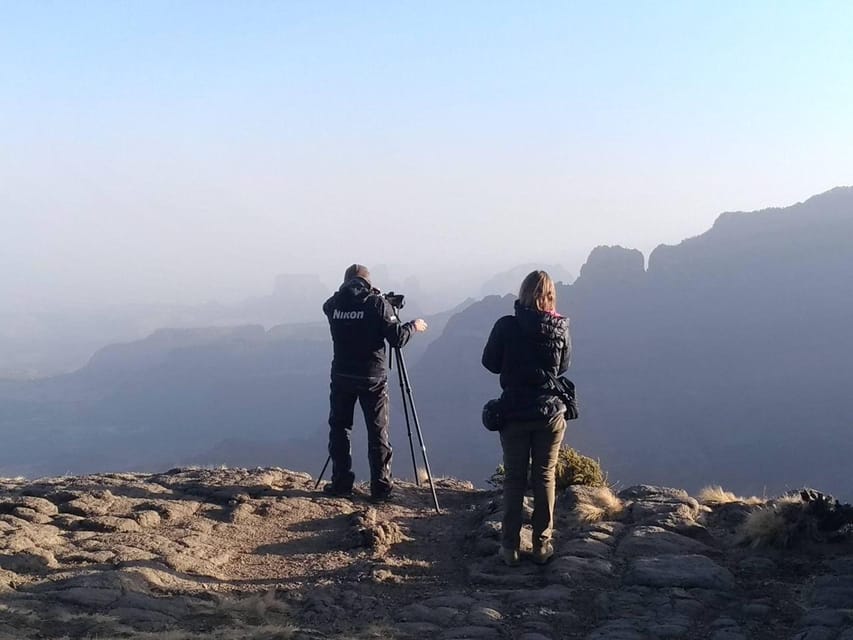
[182,151]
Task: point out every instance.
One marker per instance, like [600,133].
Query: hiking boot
[331,490]
[542,553]
[382,496]
[510,557]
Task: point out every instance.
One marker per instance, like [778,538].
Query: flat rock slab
[834,592]
[815,633]
[576,570]
[656,541]
[553,595]
[586,548]
[679,571]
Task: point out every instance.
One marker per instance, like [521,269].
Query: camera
[394,299]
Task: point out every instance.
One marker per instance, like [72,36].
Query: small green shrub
[576,468]
[572,468]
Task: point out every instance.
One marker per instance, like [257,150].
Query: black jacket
[524,349]
[360,321]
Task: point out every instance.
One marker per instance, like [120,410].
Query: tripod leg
[399,357]
[404,374]
[322,473]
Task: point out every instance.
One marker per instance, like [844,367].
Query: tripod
[411,416]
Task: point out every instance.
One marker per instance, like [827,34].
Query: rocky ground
[236,554]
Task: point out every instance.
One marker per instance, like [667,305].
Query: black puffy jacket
[360,321]
[524,349]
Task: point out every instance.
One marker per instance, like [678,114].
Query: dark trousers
[532,446]
[372,395]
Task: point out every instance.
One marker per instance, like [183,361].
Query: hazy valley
[725,360]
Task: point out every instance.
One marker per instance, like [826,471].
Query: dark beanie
[357,271]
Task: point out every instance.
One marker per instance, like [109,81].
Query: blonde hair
[538,292]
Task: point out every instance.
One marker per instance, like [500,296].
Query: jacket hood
[540,323]
[355,289]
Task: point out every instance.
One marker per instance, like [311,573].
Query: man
[361,321]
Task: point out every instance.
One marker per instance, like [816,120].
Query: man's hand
[420,324]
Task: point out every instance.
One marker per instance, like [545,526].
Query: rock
[12,523]
[609,528]
[457,601]
[94,590]
[688,607]
[728,633]
[600,536]
[757,566]
[585,548]
[825,618]
[654,541]
[464,633]
[31,515]
[171,606]
[78,556]
[8,581]
[191,564]
[723,622]
[730,515]
[90,504]
[840,564]
[109,524]
[147,519]
[619,630]
[834,592]
[34,561]
[241,514]
[490,529]
[366,529]
[552,595]
[175,511]
[484,616]
[485,547]
[716,599]
[756,610]
[143,619]
[67,521]
[650,493]
[679,571]
[39,505]
[675,515]
[667,631]
[815,633]
[575,570]
[419,629]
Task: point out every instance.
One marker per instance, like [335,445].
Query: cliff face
[231,553]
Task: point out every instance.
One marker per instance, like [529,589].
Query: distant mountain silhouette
[36,345]
[728,360]
[509,281]
[183,396]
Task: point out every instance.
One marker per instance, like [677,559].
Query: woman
[527,349]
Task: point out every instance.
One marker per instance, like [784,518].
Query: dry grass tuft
[423,478]
[597,504]
[716,495]
[774,525]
